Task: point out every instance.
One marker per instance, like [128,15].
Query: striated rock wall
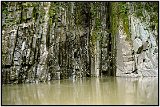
[139,55]
[43,41]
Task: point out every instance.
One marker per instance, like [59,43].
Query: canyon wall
[43,41]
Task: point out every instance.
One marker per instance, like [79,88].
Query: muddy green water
[95,91]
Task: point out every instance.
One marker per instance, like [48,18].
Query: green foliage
[38,11]
[114,18]
[79,15]
[26,4]
[4,8]
[52,10]
[150,6]
[82,13]
[42,12]
[95,9]
[34,13]
[98,24]
[152,10]
[6,14]
[123,7]
[139,7]
[94,37]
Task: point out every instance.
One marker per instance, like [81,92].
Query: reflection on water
[106,91]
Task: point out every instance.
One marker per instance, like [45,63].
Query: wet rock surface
[43,41]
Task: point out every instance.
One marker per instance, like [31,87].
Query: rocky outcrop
[147,59]
[139,56]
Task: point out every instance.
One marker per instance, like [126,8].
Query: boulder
[137,43]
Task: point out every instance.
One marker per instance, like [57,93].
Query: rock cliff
[43,41]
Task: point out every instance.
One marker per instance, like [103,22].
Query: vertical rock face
[146,56]
[102,40]
[43,41]
[139,56]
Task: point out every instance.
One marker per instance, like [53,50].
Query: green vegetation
[4,7]
[52,10]
[5,12]
[152,9]
[79,14]
[148,12]
[123,14]
[81,31]
[96,21]
[114,19]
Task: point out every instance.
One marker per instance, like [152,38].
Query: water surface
[94,91]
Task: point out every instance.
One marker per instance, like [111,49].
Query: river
[92,91]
